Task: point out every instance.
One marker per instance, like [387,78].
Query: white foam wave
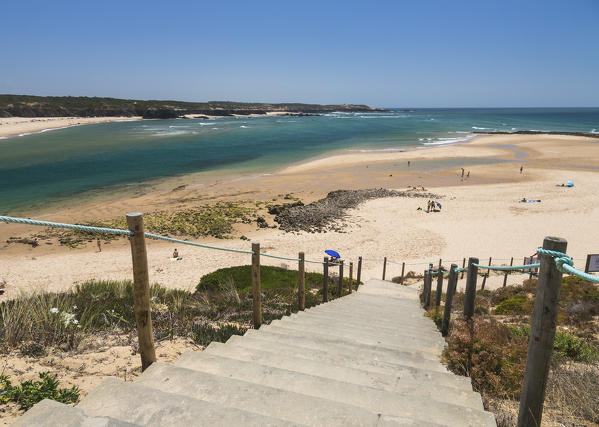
[244,127]
[447,141]
[380,150]
[26,133]
[594,131]
[479,128]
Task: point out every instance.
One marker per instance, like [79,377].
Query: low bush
[519,304]
[30,392]
[490,354]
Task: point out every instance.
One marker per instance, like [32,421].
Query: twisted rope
[507,267]
[69,226]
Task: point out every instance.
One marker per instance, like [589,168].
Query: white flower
[54,310]
[74,307]
[75,322]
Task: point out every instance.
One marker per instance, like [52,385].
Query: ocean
[54,166]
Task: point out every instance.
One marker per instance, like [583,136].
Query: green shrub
[270,277]
[508,292]
[31,392]
[436,315]
[515,305]
[572,347]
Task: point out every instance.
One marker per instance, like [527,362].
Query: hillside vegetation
[83,106]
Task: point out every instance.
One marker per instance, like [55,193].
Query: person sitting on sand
[175,253]
[35,243]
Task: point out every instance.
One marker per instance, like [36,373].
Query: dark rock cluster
[325,214]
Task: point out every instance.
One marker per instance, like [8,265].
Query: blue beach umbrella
[570,184]
[332,253]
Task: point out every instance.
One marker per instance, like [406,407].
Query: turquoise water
[55,165]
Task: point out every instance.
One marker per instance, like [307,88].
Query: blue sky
[382,53]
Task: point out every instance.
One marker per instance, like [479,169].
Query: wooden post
[486,276]
[470,288]
[440,264]
[351,276]
[403,267]
[452,283]
[542,334]
[439,288]
[506,273]
[384,267]
[359,274]
[301,290]
[256,292]
[531,270]
[141,290]
[463,266]
[424,284]
[427,289]
[325,279]
[340,285]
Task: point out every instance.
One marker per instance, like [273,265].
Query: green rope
[565,264]
[507,267]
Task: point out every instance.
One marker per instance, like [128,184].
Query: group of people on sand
[432,206]
[467,174]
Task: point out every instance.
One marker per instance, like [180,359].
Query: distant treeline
[83,106]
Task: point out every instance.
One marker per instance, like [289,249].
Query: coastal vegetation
[67,324]
[83,106]
[492,350]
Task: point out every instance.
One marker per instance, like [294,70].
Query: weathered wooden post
[463,266]
[141,290]
[351,276]
[340,286]
[359,274]
[470,295]
[256,292]
[532,269]
[403,268]
[452,283]
[301,290]
[424,285]
[439,288]
[325,279]
[507,272]
[542,334]
[486,276]
[440,264]
[384,267]
[427,289]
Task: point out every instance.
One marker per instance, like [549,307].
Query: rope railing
[507,267]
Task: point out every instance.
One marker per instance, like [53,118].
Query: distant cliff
[82,106]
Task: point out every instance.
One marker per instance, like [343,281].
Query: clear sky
[418,53]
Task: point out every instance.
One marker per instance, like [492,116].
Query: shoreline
[489,196]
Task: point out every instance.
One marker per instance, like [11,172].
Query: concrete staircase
[367,359]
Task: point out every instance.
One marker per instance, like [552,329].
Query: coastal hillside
[83,106]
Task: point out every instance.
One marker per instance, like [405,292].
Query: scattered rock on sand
[322,215]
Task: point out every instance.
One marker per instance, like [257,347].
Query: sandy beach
[21,126]
[481,215]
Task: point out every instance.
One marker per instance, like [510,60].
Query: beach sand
[481,216]
[15,126]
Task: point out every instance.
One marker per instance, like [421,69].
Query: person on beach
[99,245]
[521,168]
[463,173]
[175,253]
[35,243]
[428,206]
[468,175]
[408,163]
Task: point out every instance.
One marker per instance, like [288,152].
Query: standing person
[468,174]
[462,173]
[428,206]
[99,245]
[408,163]
[175,253]
[521,168]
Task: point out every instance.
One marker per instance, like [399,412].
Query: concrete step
[51,413]
[380,352]
[398,381]
[350,322]
[379,401]
[147,406]
[417,343]
[261,399]
[416,320]
[342,356]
